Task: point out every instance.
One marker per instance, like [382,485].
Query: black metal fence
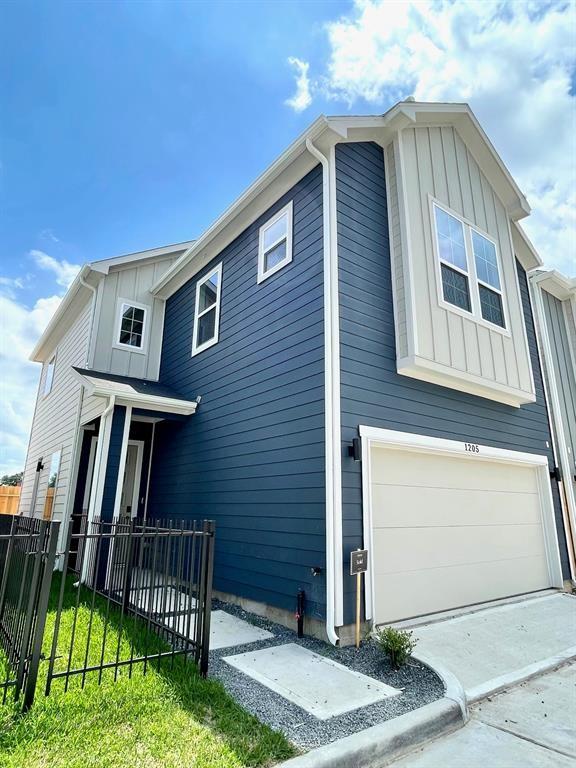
[127,595]
[27,557]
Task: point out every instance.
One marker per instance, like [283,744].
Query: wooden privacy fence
[9,499]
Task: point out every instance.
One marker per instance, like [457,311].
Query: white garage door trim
[373,436]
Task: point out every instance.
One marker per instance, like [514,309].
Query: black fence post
[208,531]
[49,560]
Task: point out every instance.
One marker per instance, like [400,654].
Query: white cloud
[9,285]
[21,328]
[302,98]
[63,270]
[512,61]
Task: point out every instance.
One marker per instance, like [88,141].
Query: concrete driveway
[531,726]
[493,648]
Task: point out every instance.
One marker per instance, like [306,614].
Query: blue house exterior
[252,458]
[346,359]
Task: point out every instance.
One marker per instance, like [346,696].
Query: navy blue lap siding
[252,457]
[372,392]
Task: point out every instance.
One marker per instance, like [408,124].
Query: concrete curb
[452,685]
[381,744]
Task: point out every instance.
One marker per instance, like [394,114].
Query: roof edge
[76,286]
[261,182]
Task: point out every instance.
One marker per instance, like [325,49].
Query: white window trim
[121,303]
[264,274]
[51,362]
[473,280]
[196,349]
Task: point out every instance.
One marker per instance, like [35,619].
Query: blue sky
[129,125]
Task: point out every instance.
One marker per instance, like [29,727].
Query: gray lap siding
[252,457]
[372,392]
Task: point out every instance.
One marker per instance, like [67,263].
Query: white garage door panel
[412,549]
[431,591]
[404,467]
[451,507]
[450,530]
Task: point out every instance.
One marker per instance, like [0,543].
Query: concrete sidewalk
[530,726]
[494,648]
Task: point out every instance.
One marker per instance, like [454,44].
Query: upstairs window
[207,312]
[275,243]
[131,326]
[49,379]
[453,261]
[469,270]
[489,288]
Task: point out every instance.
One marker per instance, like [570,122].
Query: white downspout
[92,313]
[329,393]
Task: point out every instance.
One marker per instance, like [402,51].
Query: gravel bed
[419,685]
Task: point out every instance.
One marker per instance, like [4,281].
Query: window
[275,245]
[488,279]
[49,376]
[131,329]
[468,257]
[207,312]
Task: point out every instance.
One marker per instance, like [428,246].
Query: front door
[131,486]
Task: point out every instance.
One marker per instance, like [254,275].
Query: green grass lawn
[168,718]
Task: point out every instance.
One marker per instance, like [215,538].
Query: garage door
[450,531]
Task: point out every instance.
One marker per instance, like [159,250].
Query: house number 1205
[472,447]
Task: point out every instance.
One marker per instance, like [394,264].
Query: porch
[115,447]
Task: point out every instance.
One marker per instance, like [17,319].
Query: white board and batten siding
[426,164]
[55,421]
[131,284]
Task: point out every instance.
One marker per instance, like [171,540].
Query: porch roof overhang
[138,393]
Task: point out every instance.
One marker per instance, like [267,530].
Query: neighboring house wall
[565,375]
[55,420]
[132,283]
[252,457]
[436,164]
[570,315]
[373,393]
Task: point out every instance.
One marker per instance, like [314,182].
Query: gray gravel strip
[418,683]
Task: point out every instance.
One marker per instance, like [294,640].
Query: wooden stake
[358,591]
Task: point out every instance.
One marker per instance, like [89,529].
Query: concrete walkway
[501,646]
[530,726]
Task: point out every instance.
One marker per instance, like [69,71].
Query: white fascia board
[148,402]
[154,403]
[464,120]
[169,283]
[524,249]
[554,282]
[64,316]
[104,265]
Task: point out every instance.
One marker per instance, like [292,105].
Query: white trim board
[375,436]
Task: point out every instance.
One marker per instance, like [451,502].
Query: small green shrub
[397,643]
